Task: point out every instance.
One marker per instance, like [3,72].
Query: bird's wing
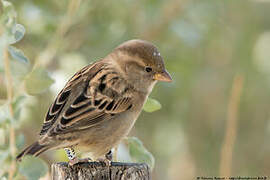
[94,94]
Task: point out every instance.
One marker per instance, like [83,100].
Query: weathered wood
[98,171]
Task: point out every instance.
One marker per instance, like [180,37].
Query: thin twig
[9,86]
[231,127]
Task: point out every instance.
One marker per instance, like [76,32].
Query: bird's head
[141,64]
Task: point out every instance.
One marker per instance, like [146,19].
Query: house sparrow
[100,104]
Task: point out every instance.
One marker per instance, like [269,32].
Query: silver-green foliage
[20,69]
[151,105]
[139,153]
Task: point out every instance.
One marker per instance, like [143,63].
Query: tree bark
[98,171]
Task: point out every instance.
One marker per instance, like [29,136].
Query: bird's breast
[108,134]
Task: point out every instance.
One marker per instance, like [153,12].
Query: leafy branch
[12,58]
[12,144]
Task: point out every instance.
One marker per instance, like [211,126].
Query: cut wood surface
[98,171]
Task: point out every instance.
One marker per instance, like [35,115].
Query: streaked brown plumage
[99,105]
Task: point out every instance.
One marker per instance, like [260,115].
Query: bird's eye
[148,69]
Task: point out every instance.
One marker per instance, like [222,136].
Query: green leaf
[18,31]
[38,81]
[139,153]
[33,168]
[6,4]
[9,10]
[17,54]
[20,141]
[19,70]
[17,106]
[151,105]
[5,115]
[13,32]
[17,102]
[8,21]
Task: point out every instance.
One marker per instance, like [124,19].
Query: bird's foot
[105,161]
[73,159]
[77,160]
[109,155]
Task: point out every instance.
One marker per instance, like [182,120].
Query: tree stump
[99,171]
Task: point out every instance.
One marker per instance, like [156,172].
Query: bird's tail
[35,149]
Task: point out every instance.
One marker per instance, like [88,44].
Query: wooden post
[98,171]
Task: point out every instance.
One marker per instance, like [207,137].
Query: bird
[100,103]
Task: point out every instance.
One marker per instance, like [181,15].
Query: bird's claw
[77,160]
[105,161]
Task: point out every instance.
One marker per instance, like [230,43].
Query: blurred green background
[215,114]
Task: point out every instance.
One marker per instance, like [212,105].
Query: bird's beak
[163,76]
